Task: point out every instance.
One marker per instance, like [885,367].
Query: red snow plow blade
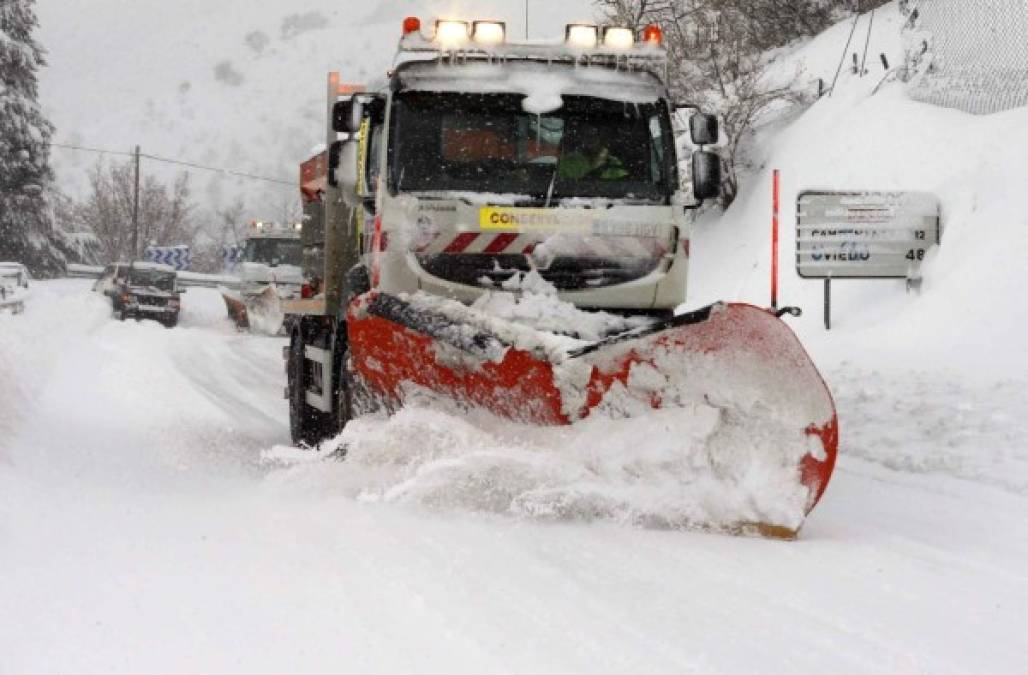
[262,312]
[776,433]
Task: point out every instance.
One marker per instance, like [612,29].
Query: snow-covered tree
[25,223]
[721,54]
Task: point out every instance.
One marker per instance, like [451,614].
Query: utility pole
[135,212]
[526,19]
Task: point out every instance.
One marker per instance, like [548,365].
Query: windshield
[159,279]
[486,143]
[274,252]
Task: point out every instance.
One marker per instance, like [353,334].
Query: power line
[94,150]
[177,162]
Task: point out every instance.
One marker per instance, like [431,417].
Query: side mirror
[347,116]
[704,129]
[706,175]
[342,170]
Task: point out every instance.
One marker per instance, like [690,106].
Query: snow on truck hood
[543,86]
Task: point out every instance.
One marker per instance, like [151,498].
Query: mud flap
[778,430]
[236,310]
[262,313]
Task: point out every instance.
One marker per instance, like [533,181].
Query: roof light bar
[489,32]
[451,34]
[582,35]
[616,37]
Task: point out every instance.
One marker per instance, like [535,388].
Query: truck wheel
[307,426]
[358,282]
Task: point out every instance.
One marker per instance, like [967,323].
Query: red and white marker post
[775,201]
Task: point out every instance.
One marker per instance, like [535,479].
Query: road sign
[877,235]
[178,257]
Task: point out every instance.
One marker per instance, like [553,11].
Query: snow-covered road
[141,531]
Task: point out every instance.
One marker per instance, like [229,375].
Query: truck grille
[566,274]
[151,301]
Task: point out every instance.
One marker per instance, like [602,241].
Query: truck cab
[478,164]
[270,270]
[475,164]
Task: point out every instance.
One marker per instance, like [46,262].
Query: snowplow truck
[482,172]
[270,270]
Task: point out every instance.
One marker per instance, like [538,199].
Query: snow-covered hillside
[971,313]
[232,83]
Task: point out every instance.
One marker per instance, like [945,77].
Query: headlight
[616,37]
[582,35]
[451,34]
[488,32]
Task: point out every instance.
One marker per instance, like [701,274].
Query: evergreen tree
[25,175]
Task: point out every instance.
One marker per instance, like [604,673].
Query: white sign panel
[881,235]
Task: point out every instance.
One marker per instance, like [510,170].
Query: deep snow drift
[141,530]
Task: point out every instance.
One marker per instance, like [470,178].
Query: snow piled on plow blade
[716,420]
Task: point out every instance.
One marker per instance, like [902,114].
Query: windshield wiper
[553,182]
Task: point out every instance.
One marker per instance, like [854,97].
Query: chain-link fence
[968,54]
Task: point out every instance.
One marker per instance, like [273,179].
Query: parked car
[142,290]
[14,286]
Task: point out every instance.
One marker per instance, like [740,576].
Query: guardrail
[198,280]
[84,271]
[185,279]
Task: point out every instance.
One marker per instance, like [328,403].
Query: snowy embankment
[949,361]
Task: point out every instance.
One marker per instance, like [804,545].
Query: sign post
[775,194]
[864,235]
[828,303]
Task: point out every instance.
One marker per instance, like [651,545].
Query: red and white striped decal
[584,246]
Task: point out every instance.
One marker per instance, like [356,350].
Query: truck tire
[307,425]
[357,282]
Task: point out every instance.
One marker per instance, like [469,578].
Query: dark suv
[142,290]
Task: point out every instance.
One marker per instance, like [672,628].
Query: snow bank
[60,311]
[969,315]
[169,394]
